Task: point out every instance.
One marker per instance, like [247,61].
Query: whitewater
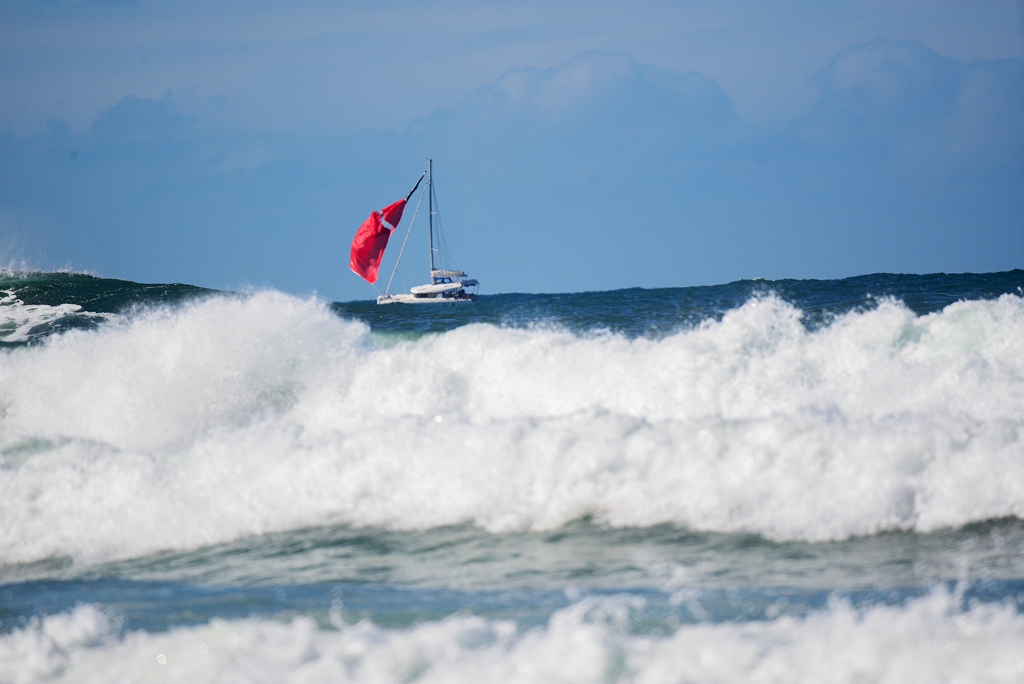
[760,481]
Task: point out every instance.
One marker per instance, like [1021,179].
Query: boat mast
[430,212]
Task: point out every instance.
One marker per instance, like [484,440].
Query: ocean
[762,481]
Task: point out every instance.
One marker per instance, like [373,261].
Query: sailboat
[446,286]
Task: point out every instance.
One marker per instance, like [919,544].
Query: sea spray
[237,416]
[756,481]
[930,640]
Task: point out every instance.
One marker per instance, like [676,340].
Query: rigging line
[407,233]
[439,236]
[445,249]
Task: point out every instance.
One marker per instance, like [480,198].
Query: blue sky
[577,145]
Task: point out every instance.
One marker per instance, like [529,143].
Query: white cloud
[328,68]
[928,110]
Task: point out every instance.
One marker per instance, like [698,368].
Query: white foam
[17,319]
[928,641]
[185,427]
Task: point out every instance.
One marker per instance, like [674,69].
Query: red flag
[371,239]
[393,213]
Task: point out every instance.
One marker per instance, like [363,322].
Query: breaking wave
[928,640]
[184,426]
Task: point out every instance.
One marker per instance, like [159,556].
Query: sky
[577,145]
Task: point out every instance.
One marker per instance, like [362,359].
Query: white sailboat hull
[414,299]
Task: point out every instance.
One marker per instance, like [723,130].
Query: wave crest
[235,416]
[928,640]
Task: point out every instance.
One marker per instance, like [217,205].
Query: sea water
[764,481]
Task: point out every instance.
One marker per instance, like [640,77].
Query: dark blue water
[633,312]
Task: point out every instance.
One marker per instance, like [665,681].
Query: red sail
[393,213]
[371,239]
